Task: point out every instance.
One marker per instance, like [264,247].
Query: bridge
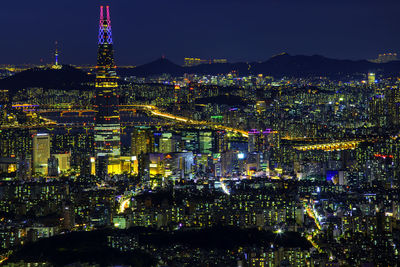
[80,112]
[334,146]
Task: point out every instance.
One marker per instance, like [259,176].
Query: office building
[41,153]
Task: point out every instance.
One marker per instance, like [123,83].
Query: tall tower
[107,129]
[56,54]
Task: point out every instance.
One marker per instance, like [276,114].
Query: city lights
[288,161]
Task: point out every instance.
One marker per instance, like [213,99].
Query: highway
[156,112]
[311,212]
[153,110]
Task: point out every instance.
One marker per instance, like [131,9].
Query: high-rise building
[167,143]
[379,107]
[142,142]
[53,167]
[69,216]
[107,129]
[177,97]
[255,141]
[64,161]
[24,169]
[371,78]
[41,152]
[87,165]
[220,141]
[205,142]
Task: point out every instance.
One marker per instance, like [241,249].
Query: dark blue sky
[239,30]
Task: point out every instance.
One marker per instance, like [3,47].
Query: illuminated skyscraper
[177,95]
[371,78]
[142,142]
[53,167]
[107,129]
[41,152]
[205,142]
[255,141]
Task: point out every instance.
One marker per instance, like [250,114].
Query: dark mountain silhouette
[159,66]
[286,64]
[220,68]
[67,78]
[280,65]
[165,66]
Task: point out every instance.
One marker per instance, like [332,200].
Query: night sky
[239,30]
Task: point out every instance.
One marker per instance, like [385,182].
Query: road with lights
[153,110]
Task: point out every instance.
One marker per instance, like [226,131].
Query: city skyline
[357,30]
[290,162]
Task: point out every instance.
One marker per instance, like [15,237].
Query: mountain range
[281,65]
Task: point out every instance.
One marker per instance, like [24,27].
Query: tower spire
[105,31]
[106,75]
[56,54]
[107,129]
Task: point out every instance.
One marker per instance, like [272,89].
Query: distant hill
[165,66]
[69,78]
[66,78]
[220,68]
[157,67]
[280,65]
[286,64]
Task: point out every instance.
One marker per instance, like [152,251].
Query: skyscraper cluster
[204,169]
